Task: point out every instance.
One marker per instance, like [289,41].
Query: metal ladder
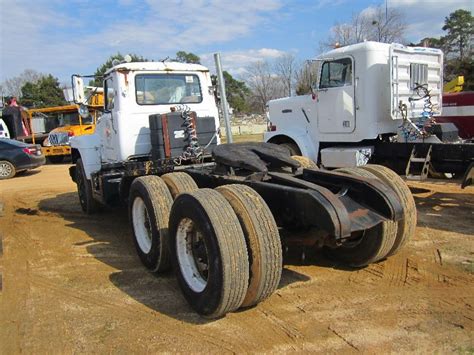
[418,160]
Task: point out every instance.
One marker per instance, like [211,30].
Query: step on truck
[373,103]
[219,214]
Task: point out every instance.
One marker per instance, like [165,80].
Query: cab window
[109,94]
[336,73]
[159,89]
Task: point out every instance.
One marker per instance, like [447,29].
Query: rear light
[32,150]
[70,134]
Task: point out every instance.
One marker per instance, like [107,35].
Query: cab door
[109,138]
[335,98]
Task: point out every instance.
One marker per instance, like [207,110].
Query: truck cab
[133,92]
[357,97]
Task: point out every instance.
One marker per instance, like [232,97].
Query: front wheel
[7,170]
[84,190]
[292,147]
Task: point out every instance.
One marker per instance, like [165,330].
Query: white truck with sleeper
[372,103]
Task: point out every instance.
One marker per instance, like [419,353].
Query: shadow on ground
[452,212]
[112,244]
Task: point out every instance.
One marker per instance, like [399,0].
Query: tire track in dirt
[282,325]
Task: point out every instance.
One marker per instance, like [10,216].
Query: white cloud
[163,27]
[327,3]
[235,62]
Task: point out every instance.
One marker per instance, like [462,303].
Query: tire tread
[407,226]
[258,225]
[179,182]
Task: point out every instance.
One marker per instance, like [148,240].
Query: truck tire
[407,225]
[305,162]
[262,238]
[369,246]
[178,183]
[7,170]
[84,189]
[292,147]
[208,252]
[149,209]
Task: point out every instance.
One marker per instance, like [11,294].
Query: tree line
[286,76]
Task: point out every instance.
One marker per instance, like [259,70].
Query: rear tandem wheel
[208,252]
[178,183]
[372,245]
[262,238]
[149,209]
[407,225]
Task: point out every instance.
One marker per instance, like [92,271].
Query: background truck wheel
[209,252]
[305,162]
[368,246]
[149,209]
[294,150]
[407,225]
[263,241]
[84,190]
[179,182]
[7,170]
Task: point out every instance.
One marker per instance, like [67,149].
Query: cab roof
[158,66]
[375,46]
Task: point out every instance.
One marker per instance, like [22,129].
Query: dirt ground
[72,283]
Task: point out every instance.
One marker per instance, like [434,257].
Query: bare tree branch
[285,67]
[12,86]
[372,24]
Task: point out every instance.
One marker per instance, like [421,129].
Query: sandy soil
[73,283]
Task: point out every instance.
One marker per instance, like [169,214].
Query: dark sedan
[17,156]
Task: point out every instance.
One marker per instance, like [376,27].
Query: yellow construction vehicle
[52,127]
[454,85]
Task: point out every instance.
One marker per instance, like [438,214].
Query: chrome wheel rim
[5,170]
[192,255]
[141,225]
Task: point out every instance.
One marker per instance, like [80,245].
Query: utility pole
[225,112]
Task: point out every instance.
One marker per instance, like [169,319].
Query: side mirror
[78,89]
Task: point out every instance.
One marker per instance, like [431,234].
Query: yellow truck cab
[66,123]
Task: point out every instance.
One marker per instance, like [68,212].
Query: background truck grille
[58,138]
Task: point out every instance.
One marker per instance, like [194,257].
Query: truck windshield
[61,119]
[158,89]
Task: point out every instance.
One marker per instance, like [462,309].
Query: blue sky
[76,36]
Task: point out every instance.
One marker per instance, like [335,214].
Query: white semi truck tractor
[372,103]
[212,211]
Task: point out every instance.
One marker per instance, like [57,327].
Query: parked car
[17,156]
